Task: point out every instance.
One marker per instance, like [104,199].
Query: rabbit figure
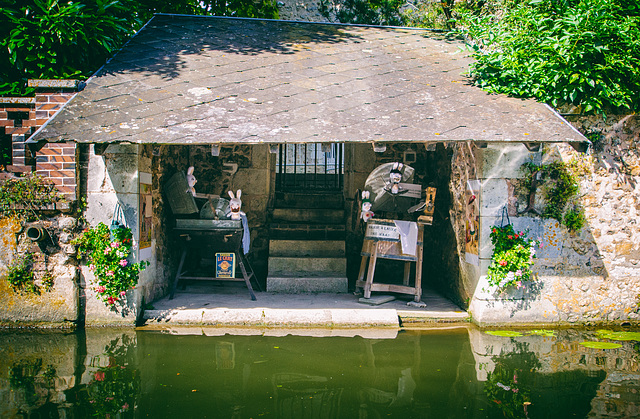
[367,214]
[395,176]
[191,181]
[235,204]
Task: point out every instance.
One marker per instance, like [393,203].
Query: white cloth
[408,236]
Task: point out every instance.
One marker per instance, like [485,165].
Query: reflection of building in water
[610,379]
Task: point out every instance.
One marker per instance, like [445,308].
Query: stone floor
[229,304]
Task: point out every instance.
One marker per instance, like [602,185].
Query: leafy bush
[561,195]
[20,274]
[24,196]
[64,39]
[365,12]
[107,252]
[56,39]
[581,52]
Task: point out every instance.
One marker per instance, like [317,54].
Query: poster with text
[472,222]
[146,212]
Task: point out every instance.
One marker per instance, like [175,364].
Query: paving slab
[210,304]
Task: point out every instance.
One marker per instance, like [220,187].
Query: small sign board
[383,231]
[225,265]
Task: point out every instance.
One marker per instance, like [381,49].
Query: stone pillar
[112,179]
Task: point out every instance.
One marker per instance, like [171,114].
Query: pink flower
[101,289]
[123,263]
[111,300]
[92,267]
[106,251]
[115,244]
[125,406]
[503,263]
[110,273]
[99,376]
[123,293]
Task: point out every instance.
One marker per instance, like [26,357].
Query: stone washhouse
[241,100]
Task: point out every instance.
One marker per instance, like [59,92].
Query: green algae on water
[609,334]
[542,332]
[504,333]
[601,345]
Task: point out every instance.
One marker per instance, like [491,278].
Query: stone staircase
[307,248]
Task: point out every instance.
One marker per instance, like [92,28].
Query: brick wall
[21,117]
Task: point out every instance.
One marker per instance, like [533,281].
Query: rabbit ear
[367,194]
[364,194]
[239,193]
[190,170]
[231,195]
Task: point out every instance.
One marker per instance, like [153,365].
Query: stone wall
[55,306]
[590,276]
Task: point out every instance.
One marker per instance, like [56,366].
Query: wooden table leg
[407,272]
[363,268]
[418,284]
[247,278]
[372,269]
[178,274]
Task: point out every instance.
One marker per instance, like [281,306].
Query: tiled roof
[189,80]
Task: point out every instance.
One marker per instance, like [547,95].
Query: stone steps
[307,248]
[309,200]
[310,216]
[301,285]
[305,231]
[306,266]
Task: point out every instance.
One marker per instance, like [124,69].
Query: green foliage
[62,39]
[107,252]
[581,52]
[59,39]
[561,195]
[365,12]
[23,197]
[512,257]
[20,274]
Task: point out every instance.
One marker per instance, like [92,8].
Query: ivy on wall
[23,199]
[561,192]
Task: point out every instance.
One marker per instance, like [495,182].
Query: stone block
[493,197]
[505,161]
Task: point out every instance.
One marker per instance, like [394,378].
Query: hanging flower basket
[107,252]
[513,255]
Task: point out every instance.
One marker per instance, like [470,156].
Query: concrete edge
[266,317]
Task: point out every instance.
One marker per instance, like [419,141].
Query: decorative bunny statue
[235,204]
[395,176]
[367,214]
[191,180]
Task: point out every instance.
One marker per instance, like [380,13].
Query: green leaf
[601,345]
[504,333]
[608,334]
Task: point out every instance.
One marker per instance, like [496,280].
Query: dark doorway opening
[310,167]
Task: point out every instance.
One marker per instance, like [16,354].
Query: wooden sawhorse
[374,248]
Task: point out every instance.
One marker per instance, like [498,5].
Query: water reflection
[458,373]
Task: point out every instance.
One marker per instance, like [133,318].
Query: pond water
[459,372]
